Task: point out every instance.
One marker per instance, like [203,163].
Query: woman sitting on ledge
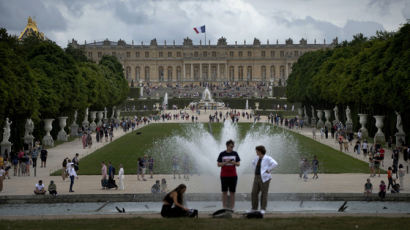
[172,206]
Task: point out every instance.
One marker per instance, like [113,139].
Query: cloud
[14,14]
[237,20]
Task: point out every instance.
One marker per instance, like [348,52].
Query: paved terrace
[281,183]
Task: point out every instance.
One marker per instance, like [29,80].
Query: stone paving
[281,183]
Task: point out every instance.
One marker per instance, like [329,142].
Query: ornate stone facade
[188,63]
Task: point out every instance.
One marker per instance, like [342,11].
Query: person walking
[401,176]
[121,177]
[104,181]
[263,165]
[228,160]
[2,176]
[43,157]
[315,167]
[72,175]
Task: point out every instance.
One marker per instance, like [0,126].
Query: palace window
[137,74]
[146,54]
[169,54]
[146,73]
[213,54]
[249,73]
[196,54]
[161,73]
[99,54]
[240,73]
[296,53]
[231,53]
[240,54]
[263,73]
[282,53]
[128,54]
[263,54]
[178,54]
[249,53]
[90,54]
[272,53]
[169,73]
[137,54]
[160,54]
[205,54]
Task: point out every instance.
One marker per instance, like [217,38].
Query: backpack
[223,213]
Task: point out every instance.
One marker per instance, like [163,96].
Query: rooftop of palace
[187,43]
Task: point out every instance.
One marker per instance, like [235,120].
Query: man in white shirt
[263,166]
[72,174]
[40,188]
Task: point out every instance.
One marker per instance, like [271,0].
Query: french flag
[200,29]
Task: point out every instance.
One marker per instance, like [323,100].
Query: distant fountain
[202,148]
[207,101]
[165,102]
[247,104]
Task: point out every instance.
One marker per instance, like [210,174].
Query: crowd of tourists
[223,89]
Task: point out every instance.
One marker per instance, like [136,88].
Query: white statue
[348,116]
[304,111]
[105,112]
[113,112]
[399,124]
[336,111]
[75,116]
[313,110]
[6,131]
[86,114]
[29,127]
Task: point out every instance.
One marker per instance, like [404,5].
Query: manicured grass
[129,148]
[294,223]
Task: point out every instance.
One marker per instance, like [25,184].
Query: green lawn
[129,148]
[294,223]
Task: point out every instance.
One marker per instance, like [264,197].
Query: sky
[173,20]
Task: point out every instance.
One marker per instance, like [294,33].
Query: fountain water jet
[203,148]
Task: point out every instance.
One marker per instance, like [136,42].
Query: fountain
[165,102]
[247,105]
[207,102]
[203,148]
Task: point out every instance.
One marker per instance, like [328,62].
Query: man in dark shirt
[228,161]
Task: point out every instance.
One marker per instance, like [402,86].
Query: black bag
[193,213]
[104,183]
[254,215]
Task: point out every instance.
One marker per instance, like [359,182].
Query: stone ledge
[26,199]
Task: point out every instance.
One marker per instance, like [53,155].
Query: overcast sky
[237,20]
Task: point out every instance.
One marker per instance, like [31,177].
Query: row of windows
[295,53]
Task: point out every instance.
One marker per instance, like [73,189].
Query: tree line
[39,79]
[371,75]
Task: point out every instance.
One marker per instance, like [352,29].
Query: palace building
[155,64]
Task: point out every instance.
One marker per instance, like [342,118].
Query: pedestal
[93,125]
[349,126]
[100,118]
[320,123]
[327,116]
[5,146]
[74,129]
[363,121]
[48,139]
[313,121]
[400,139]
[379,136]
[62,135]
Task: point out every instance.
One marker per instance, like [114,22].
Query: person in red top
[228,161]
[390,178]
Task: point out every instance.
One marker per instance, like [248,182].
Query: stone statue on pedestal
[6,131]
[313,119]
[85,122]
[349,123]
[74,126]
[400,135]
[29,128]
[306,117]
[336,113]
[6,144]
